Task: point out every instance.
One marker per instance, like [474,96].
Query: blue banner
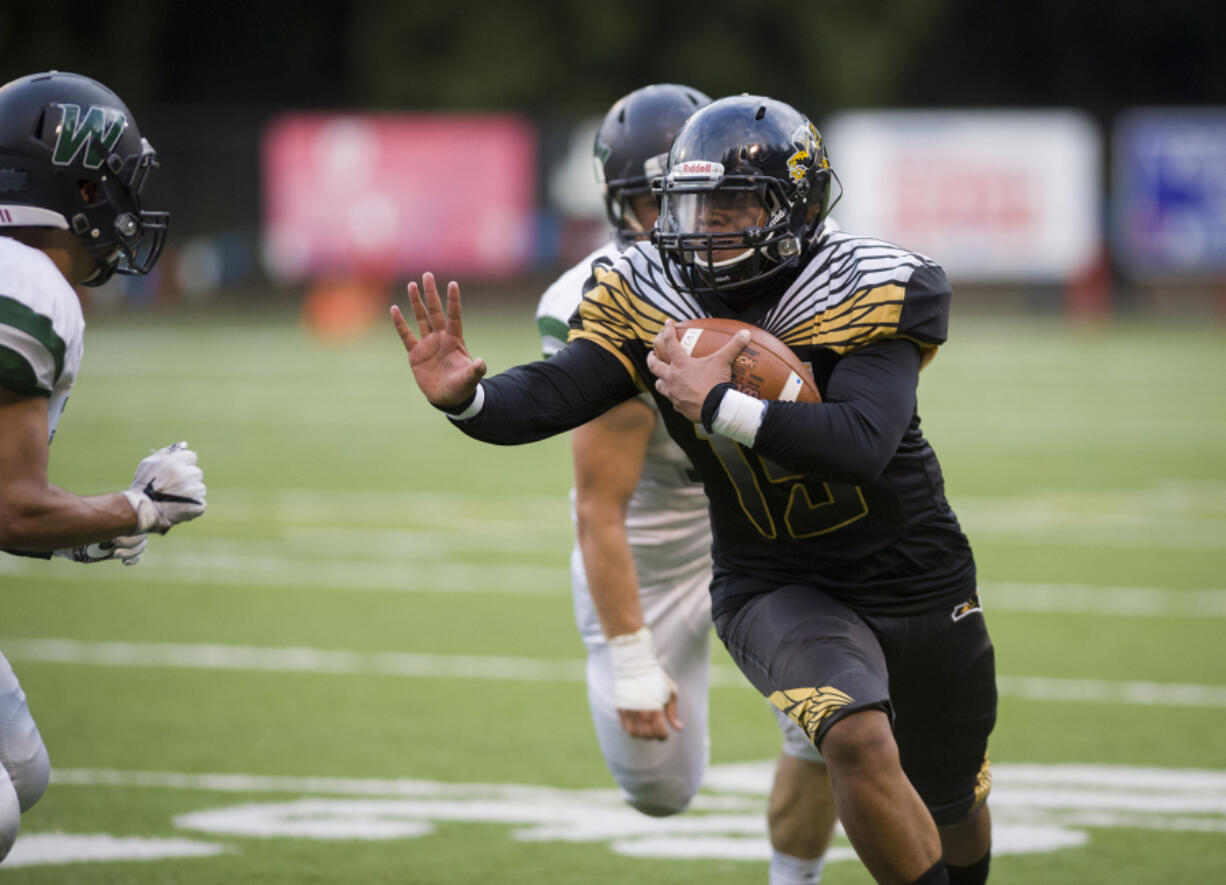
[1169,193]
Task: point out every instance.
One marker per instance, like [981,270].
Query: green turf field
[360,666]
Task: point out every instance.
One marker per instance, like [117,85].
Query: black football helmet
[747,189]
[631,144]
[72,158]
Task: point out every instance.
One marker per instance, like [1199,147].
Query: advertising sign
[394,195]
[989,195]
[1169,189]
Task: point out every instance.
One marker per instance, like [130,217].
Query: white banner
[989,195]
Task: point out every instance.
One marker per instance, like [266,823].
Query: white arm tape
[739,417]
[474,407]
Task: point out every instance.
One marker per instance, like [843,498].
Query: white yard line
[1103,600]
[358,562]
[1203,790]
[1035,809]
[359,575]
[518,669]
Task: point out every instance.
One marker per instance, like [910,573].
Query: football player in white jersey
[641,566]
[72,166]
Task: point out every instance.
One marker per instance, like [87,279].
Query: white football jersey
[666,522]
[42,330]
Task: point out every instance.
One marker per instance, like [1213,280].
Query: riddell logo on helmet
[698,169]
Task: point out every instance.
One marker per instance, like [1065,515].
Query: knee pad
[22,752]
[31,775]
[658,796]
[10,814]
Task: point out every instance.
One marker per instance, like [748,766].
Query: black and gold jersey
[854,290]
[847,495]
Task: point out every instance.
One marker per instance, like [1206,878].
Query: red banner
[390,196]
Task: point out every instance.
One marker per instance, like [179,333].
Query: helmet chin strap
[103,271]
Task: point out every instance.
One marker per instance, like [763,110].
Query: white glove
[126,548]
[639,682]
[168,489]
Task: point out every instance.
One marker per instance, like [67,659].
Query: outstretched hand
[686,380]
[442,367]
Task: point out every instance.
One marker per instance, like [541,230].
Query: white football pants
[661,777]
[22,754]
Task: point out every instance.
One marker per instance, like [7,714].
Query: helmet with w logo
[72,158]
[630,148]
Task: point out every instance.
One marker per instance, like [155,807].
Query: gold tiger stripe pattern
[983,784]
[850,294]
[810,707]
[870,313]
[612,313]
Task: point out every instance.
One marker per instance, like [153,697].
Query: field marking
[520,669]
[46,849]
[246,565]
[280,572]
[1174,515]
[1102,600]
[1036,808]
[1183,790]
[293,660]
[1171,516]
[392,508]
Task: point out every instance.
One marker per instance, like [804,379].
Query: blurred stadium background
[360,665]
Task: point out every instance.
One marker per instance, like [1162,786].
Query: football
[766,367]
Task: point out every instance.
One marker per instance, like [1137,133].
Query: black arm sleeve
[853,434]
[530,402]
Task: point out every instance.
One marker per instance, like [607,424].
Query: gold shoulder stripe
[867,315]
[802,334]
[612,314]
[613,301]
[810,707]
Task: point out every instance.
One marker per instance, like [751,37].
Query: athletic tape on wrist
[710,405]
[739,417]
[639,681]
[633,654]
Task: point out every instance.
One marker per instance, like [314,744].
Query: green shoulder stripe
[552,327]
[17,374]
[14,313]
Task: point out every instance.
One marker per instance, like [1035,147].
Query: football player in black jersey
[843,585]
[641,565]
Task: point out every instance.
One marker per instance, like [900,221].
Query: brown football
[766,367]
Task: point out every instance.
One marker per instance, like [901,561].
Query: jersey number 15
[811,507]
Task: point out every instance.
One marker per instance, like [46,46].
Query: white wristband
[473,408]
[739,416]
